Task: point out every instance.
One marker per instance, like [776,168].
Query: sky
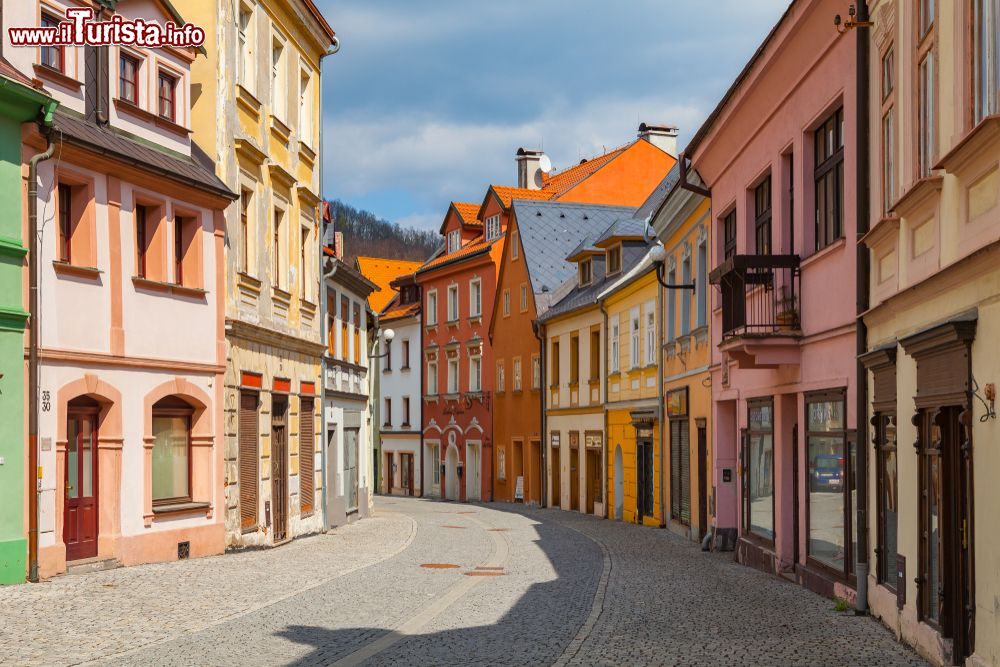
[428,100]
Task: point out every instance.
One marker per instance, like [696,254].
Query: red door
[80,511]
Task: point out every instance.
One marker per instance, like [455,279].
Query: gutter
[863,270]
[684,183]
[34,476]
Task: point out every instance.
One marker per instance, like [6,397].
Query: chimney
[663,137]
[529,169]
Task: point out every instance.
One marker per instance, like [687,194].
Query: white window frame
[501,464]
[635,338]
[536,371]
[614,356]
[453,307]
[493,227]
[431,315]
[513,245]
[500,376]
[432,378]
[454,363]
[454,240]
[524,297]
[305,104]
[516,372]
[247,37]
[506,302]
[475,373]
[279,77]
[476,297]
[650,322]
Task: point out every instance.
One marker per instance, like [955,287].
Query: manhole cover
[481,573]
[439,566]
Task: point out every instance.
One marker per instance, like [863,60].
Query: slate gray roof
[623,227]
[659,194]
[549,231]
[578,297]
[119,146]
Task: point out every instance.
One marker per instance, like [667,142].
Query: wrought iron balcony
[760,295]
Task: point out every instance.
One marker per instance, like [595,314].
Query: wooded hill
[370,236]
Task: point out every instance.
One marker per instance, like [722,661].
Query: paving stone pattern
[360,595]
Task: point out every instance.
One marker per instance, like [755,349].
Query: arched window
[172,451]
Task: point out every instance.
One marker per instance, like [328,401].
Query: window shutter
[249,477]
[307,457]
[675,469]
[685,471]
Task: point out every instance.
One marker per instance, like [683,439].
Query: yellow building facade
[256,112]
[631,305]
[682,224]
[932,323]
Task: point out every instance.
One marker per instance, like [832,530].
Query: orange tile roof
[560,183]
[382,272]
[396,312]
[468,212]
[507,195]
[473,247]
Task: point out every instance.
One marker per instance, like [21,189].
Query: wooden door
[408,472]
[574,479]
[644,456]
[279,469]
[593,461]
[81,497]
[556,475]
[351,468]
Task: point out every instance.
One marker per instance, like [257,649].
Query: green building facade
[19,103]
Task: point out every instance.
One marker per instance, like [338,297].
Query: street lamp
[387,335]
[658,254]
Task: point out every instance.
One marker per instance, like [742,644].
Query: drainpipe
[539,330]
[863,212]
[34,492]
[332,49]
[604,402]
[660,401]
[324,366]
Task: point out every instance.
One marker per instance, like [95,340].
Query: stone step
[90,565]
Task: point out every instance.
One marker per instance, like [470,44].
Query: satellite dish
[544,163]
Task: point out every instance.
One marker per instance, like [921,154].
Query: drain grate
[439,566]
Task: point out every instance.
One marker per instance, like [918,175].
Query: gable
[627,180]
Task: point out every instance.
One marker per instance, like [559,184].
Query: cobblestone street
[583,591]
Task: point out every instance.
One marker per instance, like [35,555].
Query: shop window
[758,470]
[888,499]
[830,481]
[171,451]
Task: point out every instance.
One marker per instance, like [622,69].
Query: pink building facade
[778,155]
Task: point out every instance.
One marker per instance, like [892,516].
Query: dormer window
[614,260]
[128,78]
[586,272]
[493,228]
[167,88]
[454,240]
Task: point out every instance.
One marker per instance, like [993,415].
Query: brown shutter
[249,477]
[307,457]
[684,430]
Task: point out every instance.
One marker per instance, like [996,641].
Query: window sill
[307,152]
[454,396]
[168,288]
[180,508]
[452,323]
[819,254]
[969,146]
[405,369]
[67,269]
[246,280]
[55,76]
[247,99]
[279,129]
[476,319]
[919,192]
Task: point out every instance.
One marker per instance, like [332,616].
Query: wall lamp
[851,22]
[659,256]
[388,335]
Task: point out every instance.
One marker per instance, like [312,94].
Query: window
[305,107]
[454,240]
[432,378]
[453,375]
[986,58]
[506,302]
[345,327]
[276,248]
[762,217]
[405,361]
[516,370]
[406,411]
[246,203]
[514,245]
[52,57]
[888,131]
[586,270]
[331,324]
[614,358]
[493,227]
[574,359]
[279,91]
[245,70]
[685,296]
[524,298]
[179,249]
[475,373]
[128,78]
[536,372]
[501,464]
[650,333]
[65,196]
[926,88]
[500,376]
[167,87]
[614,260]
[432,306]
[758,495]
[829,180]
[595,355]
[388,356]
[141,243]
[435,467]
[830,482]
[554,364]
[171,451]
[387,421]
[887,482]
[634,338]
[672,305]
[357,333]
[475,298]
[702,285]
[729,235]
[304,263]
[453,303]
[932,529]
